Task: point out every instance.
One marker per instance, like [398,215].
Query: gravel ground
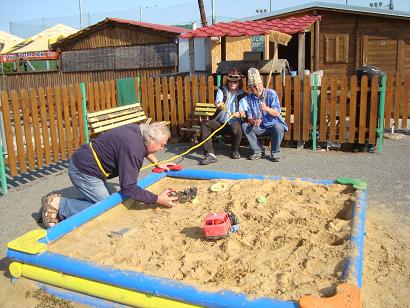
[387,174]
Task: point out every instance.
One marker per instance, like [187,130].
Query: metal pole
[213,11]
[381,114]
[3,178]
[140,13]
[314,111]
[270,6]
[81,14]
[84,108]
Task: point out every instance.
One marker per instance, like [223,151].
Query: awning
[289,25]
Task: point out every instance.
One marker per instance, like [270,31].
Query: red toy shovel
[171,168]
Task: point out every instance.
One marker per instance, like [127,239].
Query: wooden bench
[203,111]
[104,120]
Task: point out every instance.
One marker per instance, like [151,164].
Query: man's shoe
[256,156]
[274,157]
[208,159]
[236,155]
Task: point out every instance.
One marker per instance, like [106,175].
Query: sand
[295,244]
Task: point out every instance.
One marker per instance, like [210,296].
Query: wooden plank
[117,124]
[5,107]
[296,106]
[25,106]
[397,100]
[36,128]
[107,87]
[91,99]
[53,127]
[211,90]
[363,109]
[44,126]
[187,99]
[151,101]
[180,97]
[103,99]
[113,94]
[306,107]
[173,105]
[194,95]
[322,116]
[158,101]
[342,115]
[165,99]
[202,89]
[139,115]
[352,110]
[405,96]
[59,112]
[67,124]
[388,101]
[80,113]
[144,95]
[288,98]
[127,108]
[278,87]
[18,131]
[374,97]
[73,116]
[332,117]
[97,102]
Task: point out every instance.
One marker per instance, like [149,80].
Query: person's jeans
[92,188]
[276,133]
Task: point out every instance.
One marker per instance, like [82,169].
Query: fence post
[314,111]
[381,114]
[84,107]
[3,178]
[139,91]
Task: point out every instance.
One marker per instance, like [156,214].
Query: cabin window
[337,48]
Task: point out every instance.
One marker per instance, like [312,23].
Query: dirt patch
[293,245]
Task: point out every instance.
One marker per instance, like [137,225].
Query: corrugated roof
[42,40]
[367,10]
[9,40]
[289,25]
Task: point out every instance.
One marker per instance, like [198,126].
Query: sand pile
[293,245]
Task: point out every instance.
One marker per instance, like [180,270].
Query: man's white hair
[156,132]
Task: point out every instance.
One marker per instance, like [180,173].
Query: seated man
[227,98]
[262,109]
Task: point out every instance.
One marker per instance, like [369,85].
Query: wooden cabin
[117,44]
[348,37]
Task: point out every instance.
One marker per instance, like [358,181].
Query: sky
[27,17]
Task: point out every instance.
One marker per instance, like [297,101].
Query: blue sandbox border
[168,288]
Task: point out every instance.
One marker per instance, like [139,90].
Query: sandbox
[305,238]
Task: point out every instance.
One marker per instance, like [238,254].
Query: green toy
[357,184]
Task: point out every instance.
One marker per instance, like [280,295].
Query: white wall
[202,55]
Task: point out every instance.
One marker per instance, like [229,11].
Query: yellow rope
[195,146]
[98,161]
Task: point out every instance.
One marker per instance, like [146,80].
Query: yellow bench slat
[116,124]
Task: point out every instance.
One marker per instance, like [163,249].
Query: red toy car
[220,225]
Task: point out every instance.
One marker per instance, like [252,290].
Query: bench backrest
[206,110]
[107,119]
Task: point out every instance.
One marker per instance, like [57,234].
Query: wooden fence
[45,125]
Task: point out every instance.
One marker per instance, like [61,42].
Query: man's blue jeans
[276,132]
[93,189]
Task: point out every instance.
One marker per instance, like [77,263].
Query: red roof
[289,25]
[149,25]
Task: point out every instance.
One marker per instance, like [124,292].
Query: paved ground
[388,176]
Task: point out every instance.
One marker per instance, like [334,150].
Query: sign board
[258,43]
[34,55]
